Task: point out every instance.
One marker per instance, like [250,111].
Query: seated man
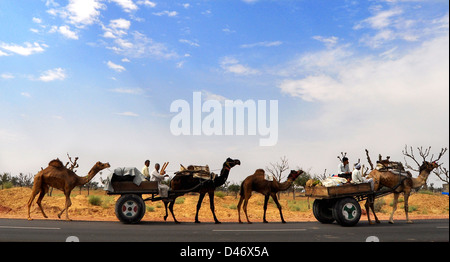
[344,169]
[156,176]
[357,177]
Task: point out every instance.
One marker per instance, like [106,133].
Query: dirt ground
[13,205]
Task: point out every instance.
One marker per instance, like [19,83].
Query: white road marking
[258,230]
[41,228]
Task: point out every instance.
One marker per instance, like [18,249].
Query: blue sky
[96,78]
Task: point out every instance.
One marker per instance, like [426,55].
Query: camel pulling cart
[340,203]
[131,186]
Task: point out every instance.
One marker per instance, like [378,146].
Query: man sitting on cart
[344,169]
[156,176]
[357,177]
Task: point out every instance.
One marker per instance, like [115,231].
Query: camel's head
[231,162]
[429,166]
[294,174]
[100,166]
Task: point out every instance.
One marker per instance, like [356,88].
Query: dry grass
[100,206]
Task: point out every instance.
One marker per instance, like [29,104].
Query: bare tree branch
[410,155]
[343,154]
[277,169]
[74,163]
[442,174]
[368,159]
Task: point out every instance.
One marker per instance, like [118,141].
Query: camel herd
[59,176]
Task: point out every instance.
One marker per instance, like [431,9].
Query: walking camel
[184,182]
[258,183]
[402,184]
[59,176]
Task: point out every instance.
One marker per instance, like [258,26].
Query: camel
[399,183]
[58,176]
[185,182]
[257,182]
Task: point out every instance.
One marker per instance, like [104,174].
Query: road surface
[84,231]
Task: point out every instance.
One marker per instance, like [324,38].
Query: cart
[130,207]
[340,203]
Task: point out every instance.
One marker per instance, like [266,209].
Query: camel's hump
[56,163]
[259,171]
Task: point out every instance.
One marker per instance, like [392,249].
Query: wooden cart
[130,207]
[340,203]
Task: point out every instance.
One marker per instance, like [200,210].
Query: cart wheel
[322,211]
[347,211]
[130,208]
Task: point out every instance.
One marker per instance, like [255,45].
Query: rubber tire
[322,210]
[347,212]
[133,202]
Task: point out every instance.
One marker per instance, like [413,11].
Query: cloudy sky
[96,79]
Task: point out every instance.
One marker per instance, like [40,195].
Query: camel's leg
[37,188]
[394,207]
[30,201]
[373,210]
[199,205]
[211,205]
[245,207]
[367,206]
[370,206]
[239,208]
[165,206]
[41,196]
[274,197]
[266,199]
[66,208]
[171,211]
[407,192]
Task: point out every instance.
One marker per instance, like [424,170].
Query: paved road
[59,231]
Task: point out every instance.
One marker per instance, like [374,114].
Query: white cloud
[37,20]
[228,31]
[168,13]
[130,91]
[380,20]
[26,49]
[146,3]
[180,64]
[330,59]
[115,67]
[127,114]
[395,100]
[80,13]
[250,1]
[262,44]
[7,76]
[139,45]
[206,95]
[189,42]
[328,41]
[386,26]
[25,94]
[67,33]
[232,65]
[117,28]
[127,5]
[53,74]
[120,24]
